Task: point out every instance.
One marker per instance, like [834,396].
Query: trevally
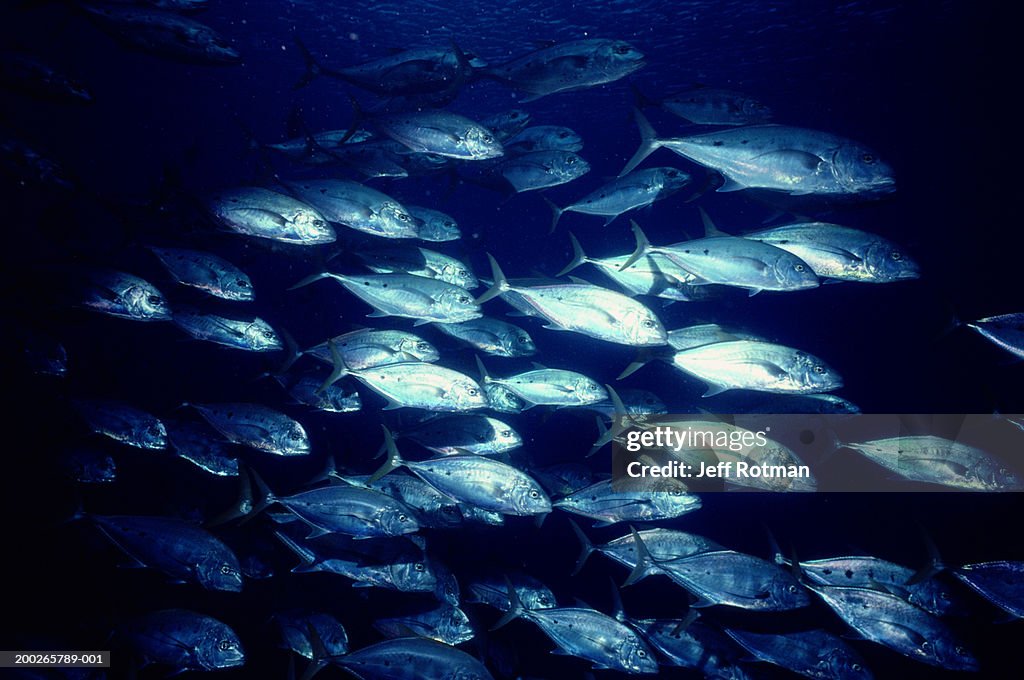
[810,653]
[711,106]
[163,34]
[884,618]
[493,591]
[195,444]
[756,365]
[542,169]
[629,192]
[1001,583]
[123,423]
[591,310]
[548,386]
[841,253]
[608,506]
[413,658]
[406,295]
[356,206]
[257,427]
[418,262]
[446,623]
[568,66]
[87,466]
[253,211]
[507,124]
[124,296]
[183,640]
[369,347]
[1005,331]
[350,510]
[252,335]
[207,272]
[434,225]
[442,133]
[449,435]
[544,138]
[491,336]
[795,160]
[936,460]
[296,628]
[692,644]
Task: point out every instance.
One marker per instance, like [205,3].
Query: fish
[654,274]
[710,106]
[542,169]
[413,658]
[183,640]
[306,389]
[873,572]
[1001,583]
[936,460]
[192,443]
[419,262]
[588,634]
[344,509]
[476,480]
[569,66]
[757,365]
[549,386]
[564,478]
[493,592]
[504,400]
[794,160]
[491,336]
[123,423]
[507,124]
[87,466]
[406,295]
[369,347]
[209,273]
[637,402]
[431,508]
[692,644]
[357,206]
[416,71]
[257,427]
[627,192]
[731,261]
[841,253]
[296,628]
[446,623]
[1005,331]
[587,309]
[544,138]
[415,384]
[27,74]
[434,225]
[810,653]
[442,133]
[163,34]
[251,335]
[890,621]
[448,435]
[608,505]
[254,211]
[124,296]
[181,550]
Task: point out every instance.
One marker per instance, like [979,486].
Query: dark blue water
[911,83]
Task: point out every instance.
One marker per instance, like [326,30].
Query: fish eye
[422,346]
[799,267]
[419,567]
[225,569]
[402,217]
[896,255]
[522,339]
[856,668]
[472,391]
[868,158]
[403,518]
[570,160]
[792,588]
[641,653]
[623,49]
[534,494]
[269,335]
[648,323]
[926,645]
[295,435]
[961,651]
[464,299]
[462,272]
[155,300]
[242,283]
[819,369]
[224,645]
[506,433]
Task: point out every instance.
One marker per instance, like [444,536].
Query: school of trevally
[330,322]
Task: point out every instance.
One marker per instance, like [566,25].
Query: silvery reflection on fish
[123,423]
[369,347]
[445,623]
[182,640]
[1006,331]
[124,296]
[208,272]
[460,433]
[491,336]
[635,190]
[254,211]
[356,206]
[407,259]
[252,335]
[544,138]
[434,225]
[257,427]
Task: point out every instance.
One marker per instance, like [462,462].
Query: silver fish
[712,106]
[124,296]
[1001,583]
[183,640]
[434,225]
[491,336]
[549,386]
[369,347]
[603,503]
[810,653]
[636,190]
[294,628]
[794,160]
[441,132]
[207,272]
[542,169]
[357,206]
[419,262]
[493,591]
[413,658]
[351,510]
[447,624]
[450,435]
[405,295]
[253,211]
[257,427]
[1006,331]
[841,253]
[692,644]
[544,137]
[123,423]
[193,443]
[252,335]
[507,124]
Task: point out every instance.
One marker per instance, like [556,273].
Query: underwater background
[160,135]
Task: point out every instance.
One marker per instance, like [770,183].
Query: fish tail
[485,377]
[394,459]
[934,566]
[339,370]
[649,142]
[312,278]
[358,116]
[643,246]
[640,100]
[578,256]
[306,555]
[293,352]
[643,357]
[500,282]
[313,68]
[556,213]
[586,547]
[644,560]
[515,609]
[710,230]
